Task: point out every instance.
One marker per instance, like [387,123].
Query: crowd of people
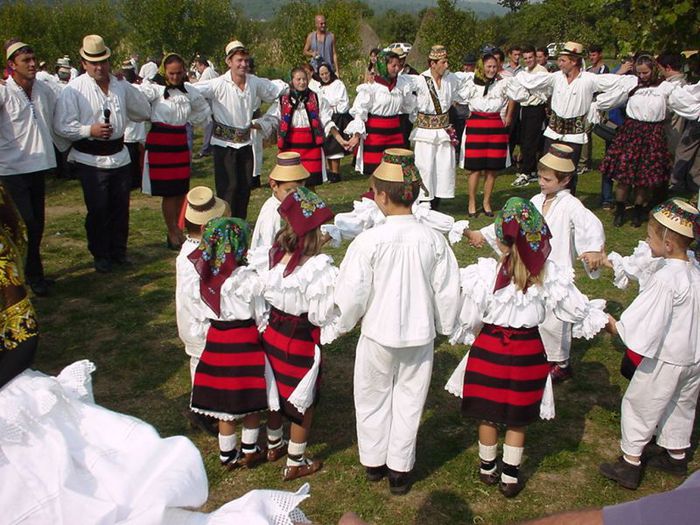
[254,308]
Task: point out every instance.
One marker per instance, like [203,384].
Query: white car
[405,47]
[554,47]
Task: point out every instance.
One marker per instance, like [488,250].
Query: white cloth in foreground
[66,460]
[267,224]
[191,331]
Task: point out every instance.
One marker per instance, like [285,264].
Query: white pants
[556,337]
[436,164]
[390,387]
[661,397]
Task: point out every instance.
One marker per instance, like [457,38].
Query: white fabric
[390,386]
[234,107]
[267,224]
[402,279]
[662,321]
[148,70]
[495,101]
[648,104]
[179,108]
[302,397]
[82,103]
[65,460]
[256,138]
[661,399]
[639,266]
[685,101]
[436,164]
[336,94]
[300,119]
[209,73]
[535,99]
[26,128]
[191,330]
[135,132]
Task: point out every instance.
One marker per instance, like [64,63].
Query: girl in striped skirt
[298,285]
[505,375]
[224,303]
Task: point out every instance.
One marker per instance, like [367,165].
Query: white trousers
[436,164]
[556,337]
[660,398]
[390,387]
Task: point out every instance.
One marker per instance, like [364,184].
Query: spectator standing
[542,57]
[320,46]
[206,72]
[598,67]
[459,113]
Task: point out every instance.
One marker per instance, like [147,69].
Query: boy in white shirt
[661,325]
[287,175]
[402,279]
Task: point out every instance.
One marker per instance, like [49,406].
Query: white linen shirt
[336,94]
[537,98]
[179,108]
[685,101]
[25,128]
[234,107]
[495,101]
[402,279]
[267,224]
[191,329]
[82,104]
[376,99]
[209,73]
[648,104]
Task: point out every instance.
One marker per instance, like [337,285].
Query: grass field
[125,323]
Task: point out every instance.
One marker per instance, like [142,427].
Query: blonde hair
[288,240]
[519,274]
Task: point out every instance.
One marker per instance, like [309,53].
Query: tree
[512,5]
[395,26]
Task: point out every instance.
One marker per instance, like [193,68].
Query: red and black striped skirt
[382,133]
[506,374]
[168,160]
[301,141]
[289,342]
[230,376]
[486,142]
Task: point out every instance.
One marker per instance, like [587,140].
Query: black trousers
[233,174]
[531,120]
[458,119]
[28,190]
[574,158]
[106,194]
[14,362]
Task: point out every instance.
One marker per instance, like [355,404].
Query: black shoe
[472,215]
[333,177]
[122,260]
[255,183]
[488,213]
[676,467]
[40,287]
[375,473]
[619,219]
[626,474]
[103,265]
[399,482]
[489,479]
[510,490]
[637,215]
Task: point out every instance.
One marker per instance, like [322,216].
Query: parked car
[554,47]
[404,46]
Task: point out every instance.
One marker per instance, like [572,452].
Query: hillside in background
[265,9]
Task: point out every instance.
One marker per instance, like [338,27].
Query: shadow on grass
[444,507]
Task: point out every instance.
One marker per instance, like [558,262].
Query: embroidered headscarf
[223,248]
[161,78]
[382,74]
[681,217]
[304,211]
[520,224]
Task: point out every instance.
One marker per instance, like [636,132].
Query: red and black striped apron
[289,342]
[506,374]
[486,145]
[230,375]
[382,133]
[168,160]
[301,141]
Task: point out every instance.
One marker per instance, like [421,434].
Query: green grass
[125,323]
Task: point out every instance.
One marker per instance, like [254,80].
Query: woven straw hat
[13,48]
[559,158]
[289,168]
[235,45]
[437,52]
[392,166]
[681,221]
[400,51]
[573,49]
[203,205]
[94,49]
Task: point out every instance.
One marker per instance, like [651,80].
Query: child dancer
[287,175]
[575,230]
[298,285]
[506,370]
[402,279]
[661,325]
[229,381]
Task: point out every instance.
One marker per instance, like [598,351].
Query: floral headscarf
[382,75]
[520,224]
[223,248]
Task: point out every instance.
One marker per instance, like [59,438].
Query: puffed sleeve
[445,282]
[245,286]
[685,101]
[365,215]
[440,222]
[66,123]
[639,266]
[270,121]
[325,114]
[151,91]
[342,104]
[138,109]
[476,283]
[192,316]
[489,233]
[538,81]
[353,286]
[201,110]
[516,91]
[611,81]
[322,275]
[617,93]
[205,88]
[360,109]
[570,305]
[269,90]
[589,235]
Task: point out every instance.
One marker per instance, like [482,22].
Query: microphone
[107,113]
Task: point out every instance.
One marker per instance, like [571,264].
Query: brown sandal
[307,468]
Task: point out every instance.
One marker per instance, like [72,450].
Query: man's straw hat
[203,205]
[94,49]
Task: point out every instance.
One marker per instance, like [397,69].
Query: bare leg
[488,433]
[473,186]
[622,191]
[171,207]
[227,428]
[488,190]
[515,436]
[300,433]
[334,165]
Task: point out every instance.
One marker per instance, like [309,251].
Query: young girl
[229,381]
[336,94]
[298,285]
[503,377]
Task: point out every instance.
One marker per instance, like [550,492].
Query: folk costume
[375,113]
[289,168]
[167,163]
[661,325]
[399,258]
[336,94]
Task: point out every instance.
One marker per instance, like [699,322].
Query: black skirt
[331,146]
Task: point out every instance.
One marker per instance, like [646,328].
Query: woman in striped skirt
[299,283]
[505,376]
[224,302]
[166,171]
[486,131]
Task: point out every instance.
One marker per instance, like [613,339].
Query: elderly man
[26,149]
[320,46]
[92,112]
[234,96]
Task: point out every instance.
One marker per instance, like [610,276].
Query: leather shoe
[489,479]
[40,287]
[250,459]
[103,265]
[399,482]
[510,490]
[305,469]
[375,473]
[626,474]
[273,454]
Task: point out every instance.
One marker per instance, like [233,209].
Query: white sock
[487,454]
[636,463]
[676,456]
[512,457]
[227,443]
[249,438]
[295,454]
[563,364]
[274,437]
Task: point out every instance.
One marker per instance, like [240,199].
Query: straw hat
[289,168]
[126,64]
[203,205]
[94,49]
[13,48]
[559,158]
[573,49]
[394,162]
[235,45]
[437,52]
[677,215]
[399,50]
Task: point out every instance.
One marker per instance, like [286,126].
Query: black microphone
[107,113]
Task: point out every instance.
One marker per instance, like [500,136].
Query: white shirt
[148,70]
[685,101]
[179,108]
[402,279]
[271,119]
[209,73]
[82,104]
[535,99]
[495,101]
[336,95]
[135,132]
[376,99]
[190,328]
[234,107]
[648,104]
[510,307]
[26,128]
[267,224]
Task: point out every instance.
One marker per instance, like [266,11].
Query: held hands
[100,130]
[594,260]
[611,327]
[353,142]
[475,238]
